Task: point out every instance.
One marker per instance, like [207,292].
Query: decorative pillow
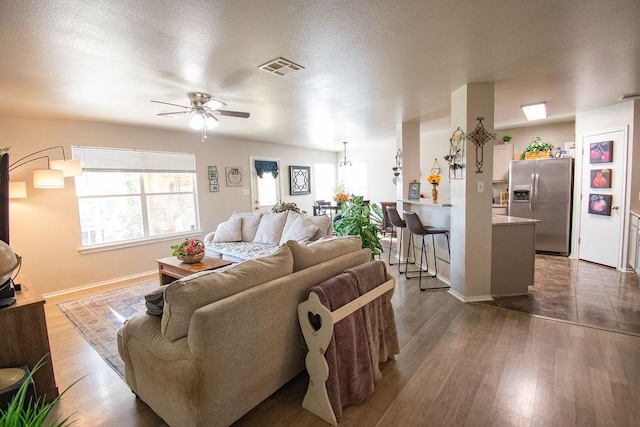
[324,223]
[270,228]
[301,230]
[154,302]
[250,222]
[229,231]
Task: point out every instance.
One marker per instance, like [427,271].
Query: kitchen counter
[512,220]
[513,255]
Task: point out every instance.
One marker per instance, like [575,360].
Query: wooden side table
[24,339]
[171,268]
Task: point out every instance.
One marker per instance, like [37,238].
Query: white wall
[435,145]
[45,228]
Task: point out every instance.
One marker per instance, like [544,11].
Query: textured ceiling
[369,64]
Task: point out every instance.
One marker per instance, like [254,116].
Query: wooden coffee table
[172,268]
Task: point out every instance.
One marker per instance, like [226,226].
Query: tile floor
[580,292]
[577,291]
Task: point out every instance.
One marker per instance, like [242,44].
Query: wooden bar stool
[399,224]
[417,228]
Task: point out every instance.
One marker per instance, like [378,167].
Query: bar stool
[417,228]
[399,224]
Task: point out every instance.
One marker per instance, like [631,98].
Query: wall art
[600,204]
[414,191]
[234,176]
[299,180]
[601,152]
[212,171]
[601,178]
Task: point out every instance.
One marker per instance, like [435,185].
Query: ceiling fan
[205,109]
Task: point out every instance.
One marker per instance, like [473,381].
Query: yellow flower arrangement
[340,195]
[434,179]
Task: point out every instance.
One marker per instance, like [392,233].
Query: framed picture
[600,204]
[214,187]
[414,191]
[601,178]
[299,180]
[601,152]
[234,176]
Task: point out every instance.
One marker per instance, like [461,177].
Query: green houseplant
[506,138]
[29,413]
[537,146]
[361,220]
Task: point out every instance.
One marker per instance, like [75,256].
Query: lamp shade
[68,167]
[17,190]
[196,122]
[48,178]
[211,121]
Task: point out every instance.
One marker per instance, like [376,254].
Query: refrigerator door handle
[535,193]
[532,193]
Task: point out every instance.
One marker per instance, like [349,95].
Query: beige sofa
[229,338]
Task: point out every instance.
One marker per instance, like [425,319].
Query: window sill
[132,243]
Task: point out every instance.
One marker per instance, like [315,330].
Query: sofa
[247,235]
[229,338]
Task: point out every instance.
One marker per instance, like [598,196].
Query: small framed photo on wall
[600,204]
[601,178]
[601,152]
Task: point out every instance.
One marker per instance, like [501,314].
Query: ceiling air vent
[281,67]
[626,96]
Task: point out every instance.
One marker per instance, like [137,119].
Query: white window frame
[100,159]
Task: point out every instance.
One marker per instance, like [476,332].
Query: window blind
[114,159]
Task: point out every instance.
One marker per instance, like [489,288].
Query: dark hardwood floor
[460,364]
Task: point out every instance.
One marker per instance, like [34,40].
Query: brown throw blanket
[350,372]
[379,318]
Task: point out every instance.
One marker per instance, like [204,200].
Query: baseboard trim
[464,299]
[153,274]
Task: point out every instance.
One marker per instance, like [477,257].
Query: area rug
[99,317]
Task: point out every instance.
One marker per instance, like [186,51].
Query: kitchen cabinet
[502,155]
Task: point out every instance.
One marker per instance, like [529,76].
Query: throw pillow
[270,228]
[154,302]
[229,231]
[300,230]
[250,222]
[324,226]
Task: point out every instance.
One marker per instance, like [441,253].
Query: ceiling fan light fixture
[196,122]
[210,121]
[214,104]
[535,111]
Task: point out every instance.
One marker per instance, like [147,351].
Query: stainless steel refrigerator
[543,189]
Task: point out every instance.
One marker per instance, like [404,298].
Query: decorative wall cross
[480,136]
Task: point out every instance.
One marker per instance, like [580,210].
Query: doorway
[265,183]
[602,201]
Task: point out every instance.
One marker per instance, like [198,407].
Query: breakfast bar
[512,242]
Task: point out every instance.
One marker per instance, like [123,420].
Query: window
[324,181]
[131,195]
[354,178]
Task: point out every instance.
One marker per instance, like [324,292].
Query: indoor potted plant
[189,251]
[359,219]
[537,149]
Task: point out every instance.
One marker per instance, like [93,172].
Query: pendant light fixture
[345,162]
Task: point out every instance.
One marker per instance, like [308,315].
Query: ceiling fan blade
[168,103]
[173,112]
[214,104]
[232,113]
